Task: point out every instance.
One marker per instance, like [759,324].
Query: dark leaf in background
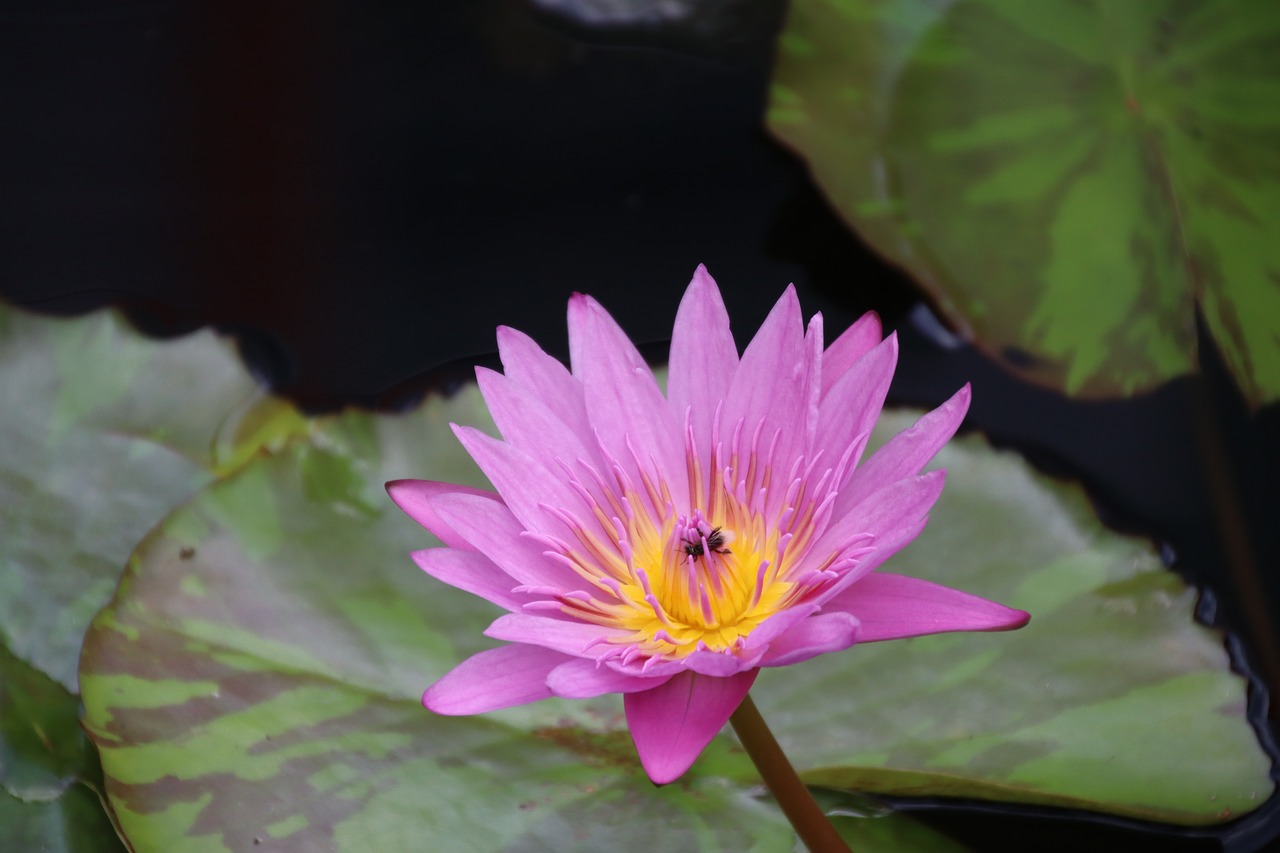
[1070,183]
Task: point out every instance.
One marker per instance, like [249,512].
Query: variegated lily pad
[1104,701]
[257,682]
[102,433]
[1071,182]
[257,678]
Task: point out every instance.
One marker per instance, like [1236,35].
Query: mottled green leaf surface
[102,433]
[1070,181]
[1112,698]
[257,679]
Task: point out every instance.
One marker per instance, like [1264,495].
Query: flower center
[667,585]
[701,584]
[698,585]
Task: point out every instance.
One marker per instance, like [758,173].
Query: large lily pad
[112,431]
[258,677]
[257,680]
[49,787]
[1071,182]
[73,823]
[1113,698]
[102,434]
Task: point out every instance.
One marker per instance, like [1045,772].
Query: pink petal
[817,635]
[891,607]
[647,667]
[673,723]
[703,356]
[771,386]
[813,340]
[885,547]
[778,624]
[491,529]
[524,484]
[719,664]
[850,409]
[893,516]
[577,639]
[625,405]
[907,453]
[855,342]
[524,362]
[530,424]
[585,679]
[471,572]
[497,678]
[417,498]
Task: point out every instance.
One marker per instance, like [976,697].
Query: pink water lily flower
[669,547]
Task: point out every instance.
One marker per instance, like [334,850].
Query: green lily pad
[49,778]
[73,823]
[1070,182]
[258,676]
[104,434]
[1103,702]
[113,431]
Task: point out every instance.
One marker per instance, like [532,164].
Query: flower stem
[797,803]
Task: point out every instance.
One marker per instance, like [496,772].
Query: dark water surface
[361,192]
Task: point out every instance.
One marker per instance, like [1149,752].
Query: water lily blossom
[668,547]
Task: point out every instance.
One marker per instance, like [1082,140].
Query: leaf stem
[797,803]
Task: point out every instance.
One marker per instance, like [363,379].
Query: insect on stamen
[715,541]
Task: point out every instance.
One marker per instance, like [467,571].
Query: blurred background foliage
[1075,186]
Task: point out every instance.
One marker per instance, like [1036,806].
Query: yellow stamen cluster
[670,584]
[677,593]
